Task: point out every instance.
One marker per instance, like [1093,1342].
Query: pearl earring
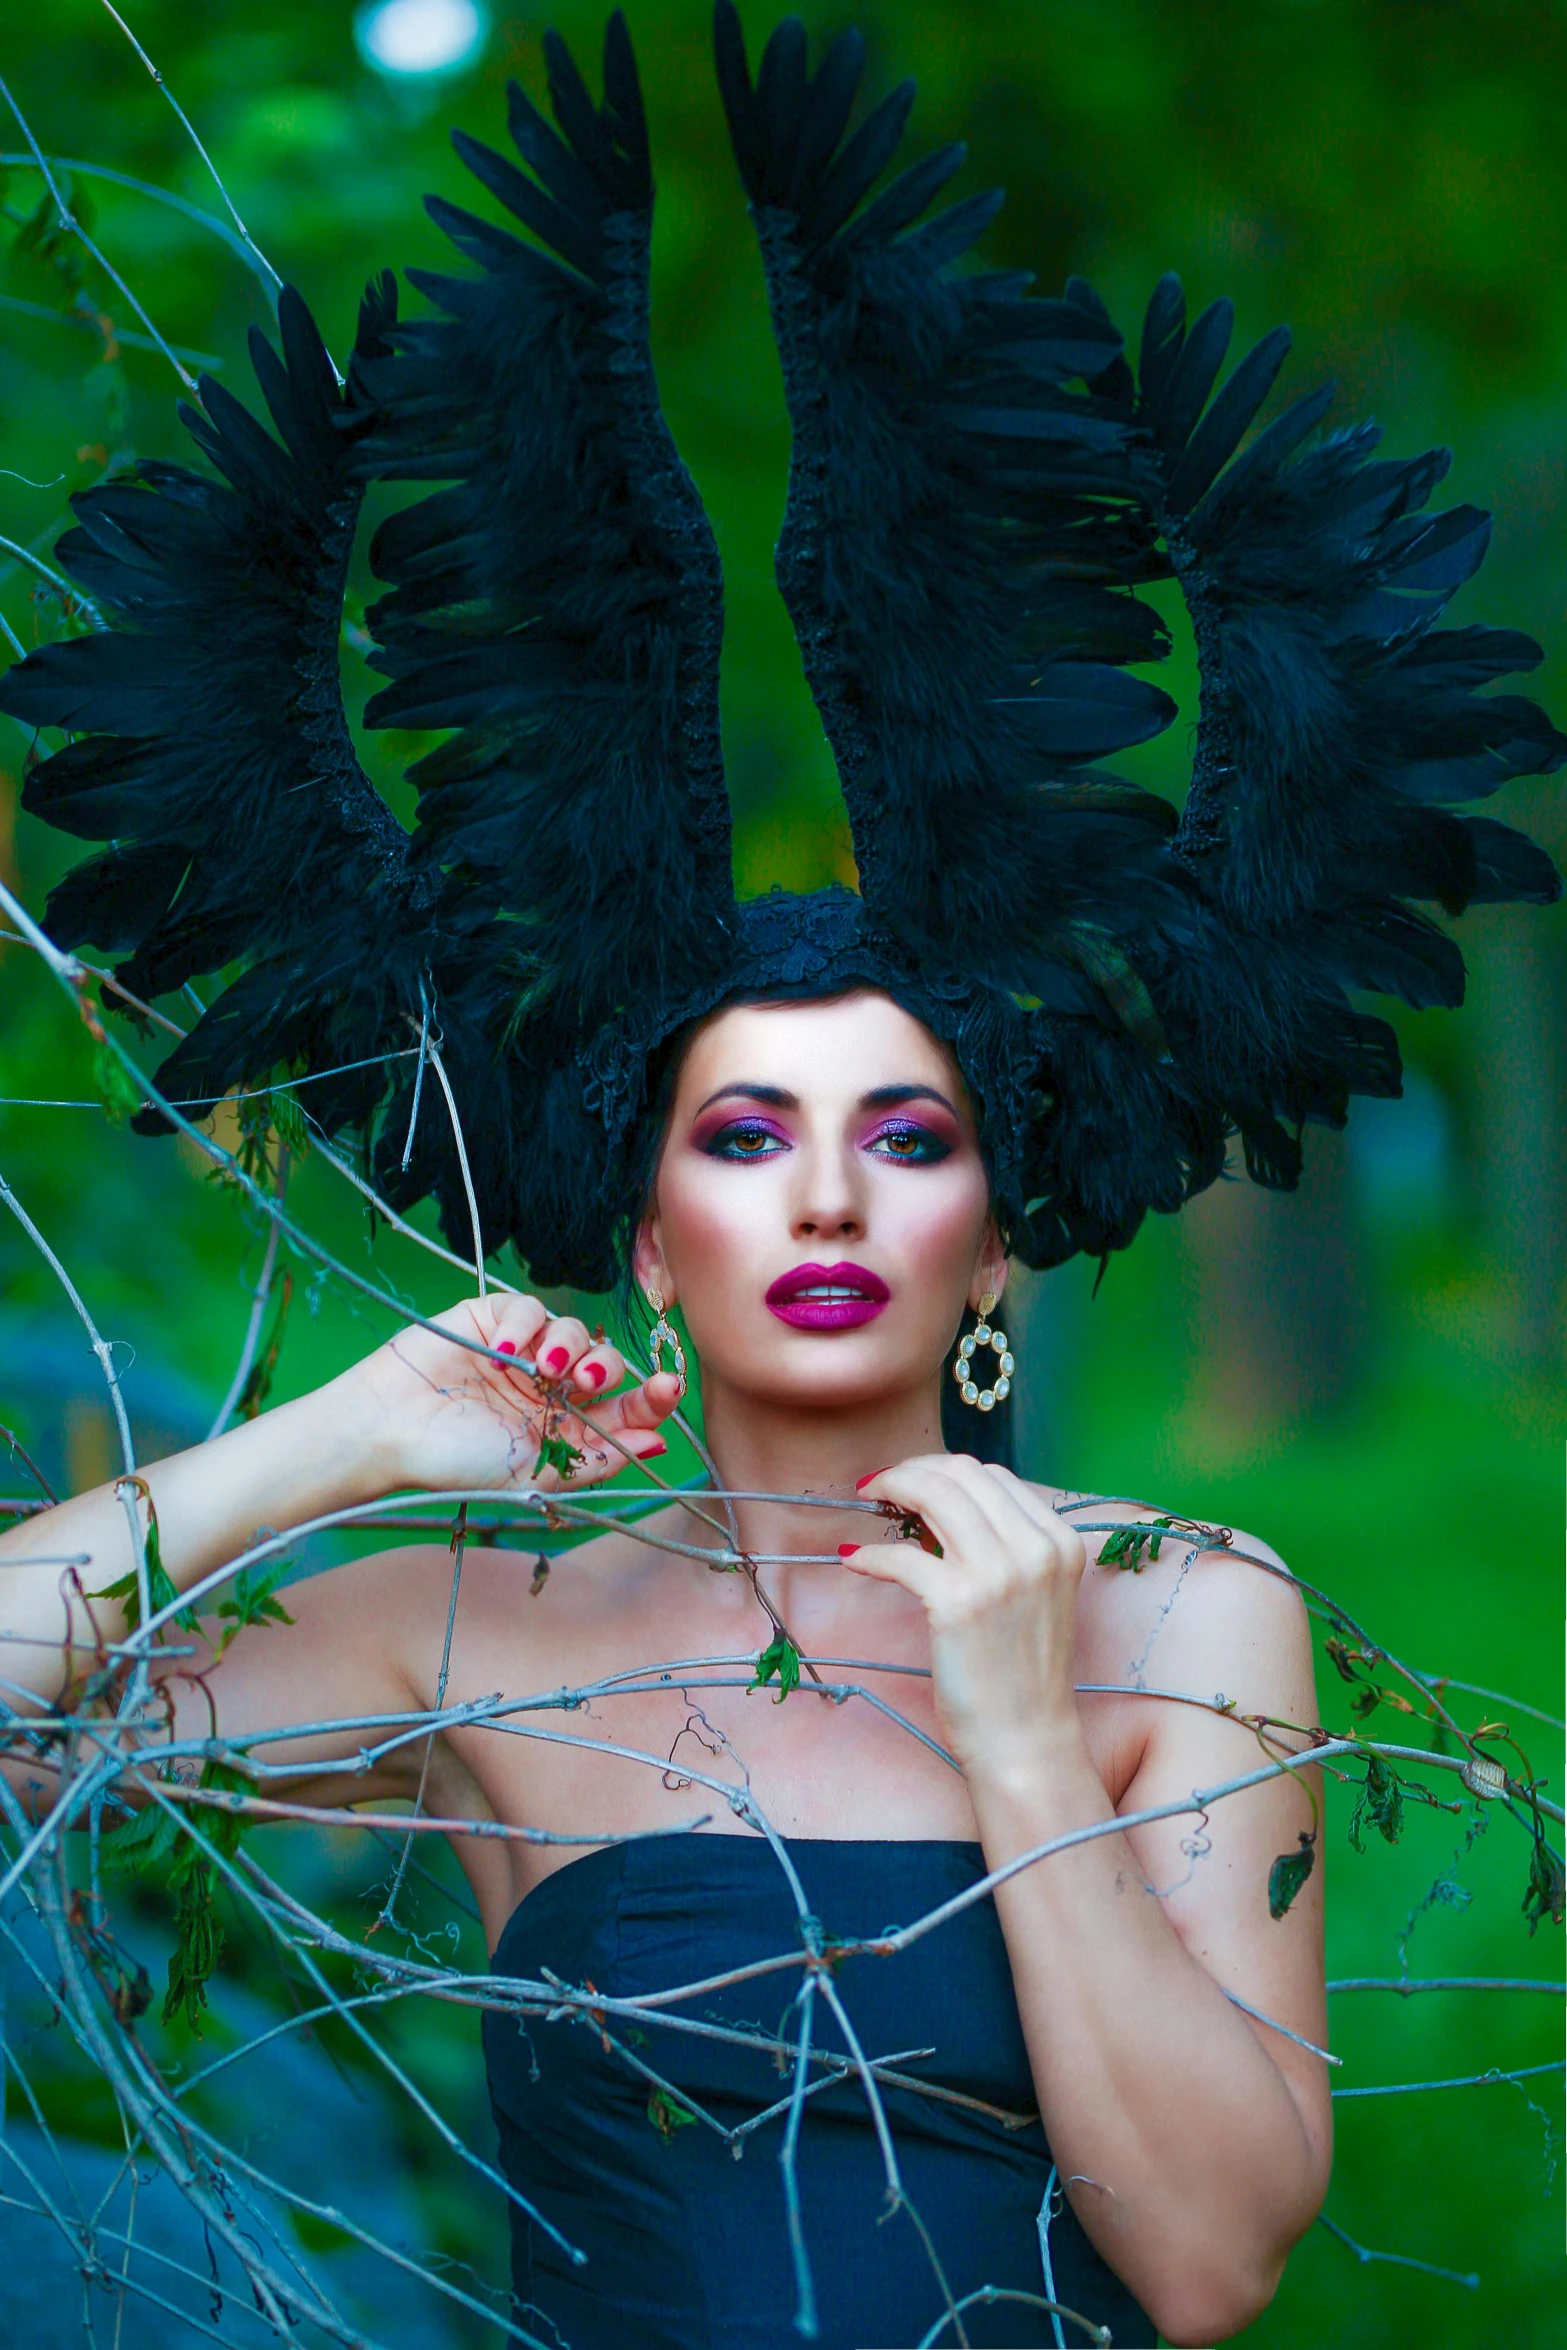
[984,1399]
[662,1334]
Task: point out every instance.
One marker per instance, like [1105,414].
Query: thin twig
[68,220]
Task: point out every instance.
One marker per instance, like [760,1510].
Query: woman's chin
[844,1371]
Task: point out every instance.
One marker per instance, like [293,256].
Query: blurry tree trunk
[1279,1322]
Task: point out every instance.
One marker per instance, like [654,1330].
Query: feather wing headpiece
[979,487]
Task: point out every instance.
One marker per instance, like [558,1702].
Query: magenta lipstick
[828,1297]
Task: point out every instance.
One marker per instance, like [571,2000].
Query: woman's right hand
[444,1417]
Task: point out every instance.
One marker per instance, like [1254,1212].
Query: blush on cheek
[717,1232]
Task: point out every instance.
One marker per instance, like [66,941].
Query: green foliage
[157,1841]
[555,1453]
[1379,1801]
[269,1121]
[1135,1545]
[1546,1892]
[161,1590]
[781,1658]
[121,1096]
[317,2234]
[1288,1873]
[667,2114]
[251,1599]
[41,234]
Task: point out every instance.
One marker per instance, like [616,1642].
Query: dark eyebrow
[772,1097]
[889,1097]
[777,1097]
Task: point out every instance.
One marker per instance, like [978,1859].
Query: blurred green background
[1369,1376]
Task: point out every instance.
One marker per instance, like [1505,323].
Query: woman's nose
[827,1206]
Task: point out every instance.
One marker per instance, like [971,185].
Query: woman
[824,1125]
[806,1141]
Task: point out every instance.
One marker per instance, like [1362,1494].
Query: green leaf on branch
[288,1124]
[1545,1895]
[118,1090]
[667,2114]
[782,1658]
[161,1591]
[158,1842]
[252,1600]
[197,1949]
[144,1842]
[1380,1802]
[1288,1873]
[555,1453]
[1133,1546]
[272,1115]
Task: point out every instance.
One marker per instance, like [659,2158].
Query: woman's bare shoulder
[1191,1597]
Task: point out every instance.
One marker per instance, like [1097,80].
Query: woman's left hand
[1001,1600]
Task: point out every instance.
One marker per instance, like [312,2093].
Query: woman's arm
[421,1412]
[1192,2142]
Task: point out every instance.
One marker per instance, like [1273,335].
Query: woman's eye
[745,1140]
[912,1145]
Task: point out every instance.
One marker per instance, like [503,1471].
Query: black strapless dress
[688,2248]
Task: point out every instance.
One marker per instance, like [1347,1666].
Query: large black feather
[211,746]
[929,548]
[558,599]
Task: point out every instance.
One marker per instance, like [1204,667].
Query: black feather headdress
[980,484]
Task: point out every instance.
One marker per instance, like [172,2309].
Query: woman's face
[821,1210]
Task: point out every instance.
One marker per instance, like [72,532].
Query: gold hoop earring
[984,1399]
[662,1334]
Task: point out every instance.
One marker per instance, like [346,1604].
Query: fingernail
[871,1479]
[596,1372]
[653,1450]
[556,1359]
[846,1550]
[505,1346]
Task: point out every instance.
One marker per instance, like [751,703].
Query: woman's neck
[767,1448]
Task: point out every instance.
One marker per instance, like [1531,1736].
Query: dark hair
[986,1436]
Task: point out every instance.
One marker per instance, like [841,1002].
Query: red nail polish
[654,1450]
[556,1359]
[505,1346]
[875,1473]
[846,1550]
[597,1373]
